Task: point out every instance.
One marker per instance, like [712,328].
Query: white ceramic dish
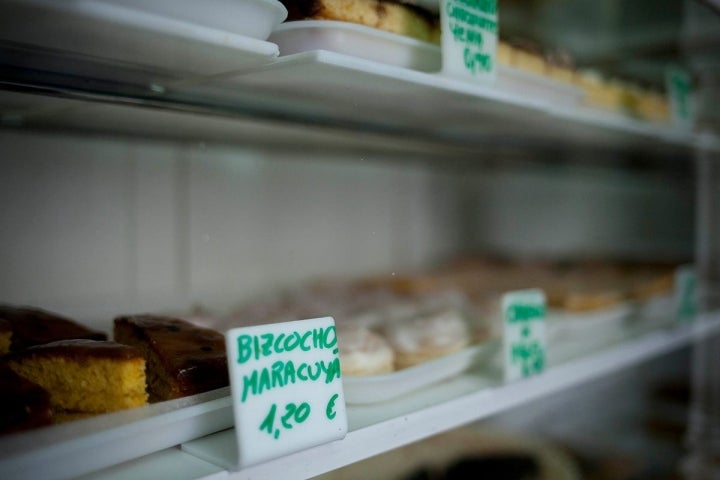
[378,388]
[105,33]
[532,86]
[572,335]
[602,323]
[656,312]
[75,448]
[358,41]
[252,18]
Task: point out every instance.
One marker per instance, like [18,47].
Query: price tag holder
[680,93]
[685,294]
[524,333]
[286,388]
[469,38]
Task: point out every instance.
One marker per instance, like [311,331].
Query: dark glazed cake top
[194,356]
[79,349]
[32,326]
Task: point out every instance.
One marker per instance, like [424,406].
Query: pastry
[89,376]
[388,15]
[182,359]
[23,404]
[363,352]
[5,336]
[427,336]
[32,326]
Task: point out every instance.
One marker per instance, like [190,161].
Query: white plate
[378,388]
[358,41]
[252,18]
[100,31]
[75,448]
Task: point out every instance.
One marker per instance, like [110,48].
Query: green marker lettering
[250,385]
[330,408]
[278,372]
[278,346]
[303,345]
[244,348]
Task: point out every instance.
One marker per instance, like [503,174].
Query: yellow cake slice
[87,376]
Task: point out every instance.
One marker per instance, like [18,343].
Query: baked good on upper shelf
[5,336]
[423,337]
[85,376]
[653,106]
[33,326]
[23,404]
[182,359]
[388,15]
[363,351]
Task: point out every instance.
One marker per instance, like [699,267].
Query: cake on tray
[182,359]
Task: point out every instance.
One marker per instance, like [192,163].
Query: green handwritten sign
[286,386]
[524,333]
[469,38]
[685,294]
[680,92]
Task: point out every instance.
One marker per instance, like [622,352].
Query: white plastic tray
[358,41]
[101,31]
[378,388]
[252,18]
[379,46]
[76,448]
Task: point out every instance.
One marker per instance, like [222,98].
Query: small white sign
[286,388]
[469,38]
[524,333]
[685,294]
[680,92]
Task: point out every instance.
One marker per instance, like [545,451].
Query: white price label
[685,294]
[469,38]
[524,333]
[286,388]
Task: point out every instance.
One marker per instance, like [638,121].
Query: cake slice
[388,15]
[88,376]
[182,359]
[23,404]
[32,326]
[5,336]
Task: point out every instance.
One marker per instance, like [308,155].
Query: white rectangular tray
[358,41]
[76,448]
[251,18]
[387,48]
[104,32]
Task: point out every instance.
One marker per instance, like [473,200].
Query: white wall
[94,227]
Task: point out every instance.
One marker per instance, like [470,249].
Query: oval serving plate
[378,388]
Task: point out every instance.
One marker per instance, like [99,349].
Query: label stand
[524,334]
[680,92]
[469,36]
[286,388]
[685,294]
